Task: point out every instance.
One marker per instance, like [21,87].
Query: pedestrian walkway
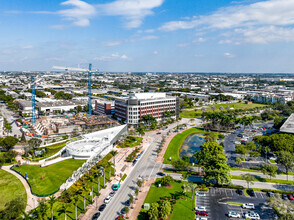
[32,201]
[138,203]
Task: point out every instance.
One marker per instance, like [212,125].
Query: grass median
[265,180]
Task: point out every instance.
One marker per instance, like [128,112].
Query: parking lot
[215,202]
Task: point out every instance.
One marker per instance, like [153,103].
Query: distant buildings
[272,98]
[131,109]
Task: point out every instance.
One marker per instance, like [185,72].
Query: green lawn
[10,188]
[234,203]
[198,112]
[174,146]
[259,179]
[183,209]
[47,180]
[131,141]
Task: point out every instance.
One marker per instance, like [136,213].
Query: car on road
[200,194]
[252,216]
[112,194]
[107,199]
[161,174]
[270,194]
[175,131]
[234,215]
[202,213]
[239,191]
[284,196]
[200,208]
[102,207]
[240,135]
[290,197]
[251,192]
[158,133]
[248,206]
[96,216]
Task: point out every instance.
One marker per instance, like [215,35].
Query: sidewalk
[280,177]
[32,201]
[137,205]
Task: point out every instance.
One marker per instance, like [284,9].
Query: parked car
[112,194]
[251,192]
[239,191]
[234,215]
[116,186]
[202,213]
[284,196]
[248,206]
[107,199]
[96,216]
[290,197]
[201,218]
[127,203]
[200,194]
[102,207]
[158,133]
[252,216]
[200,208]
[270,194]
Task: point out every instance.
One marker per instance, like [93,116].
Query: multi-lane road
[145,168]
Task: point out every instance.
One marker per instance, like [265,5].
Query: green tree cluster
[211,156]
[160,210]
[63,95]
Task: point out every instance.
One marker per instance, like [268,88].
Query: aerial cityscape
[147,110]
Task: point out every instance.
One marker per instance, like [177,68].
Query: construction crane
[89,81]
[32,86]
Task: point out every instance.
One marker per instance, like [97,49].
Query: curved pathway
[32,201]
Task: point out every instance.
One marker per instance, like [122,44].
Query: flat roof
[288,126]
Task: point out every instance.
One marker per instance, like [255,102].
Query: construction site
[46,126]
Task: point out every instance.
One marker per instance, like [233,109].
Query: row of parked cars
[115,187]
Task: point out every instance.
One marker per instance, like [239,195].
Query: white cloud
[155,52]
[199,40]
[80,14]
[112,43]
[271,19]
[183,45]
[133,11]
[27,47]
[229,55]
[112,57]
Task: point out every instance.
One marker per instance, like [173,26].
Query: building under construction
[68,125]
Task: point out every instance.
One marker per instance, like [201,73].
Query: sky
[236,36]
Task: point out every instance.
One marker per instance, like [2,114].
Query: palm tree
[192,187]
[42,209]
[108,165]
[98,174]
[52,200]
[209,137]
[90,178]
[76,199]
[85,191]
[63,209]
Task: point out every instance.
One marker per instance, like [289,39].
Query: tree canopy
[211,156]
